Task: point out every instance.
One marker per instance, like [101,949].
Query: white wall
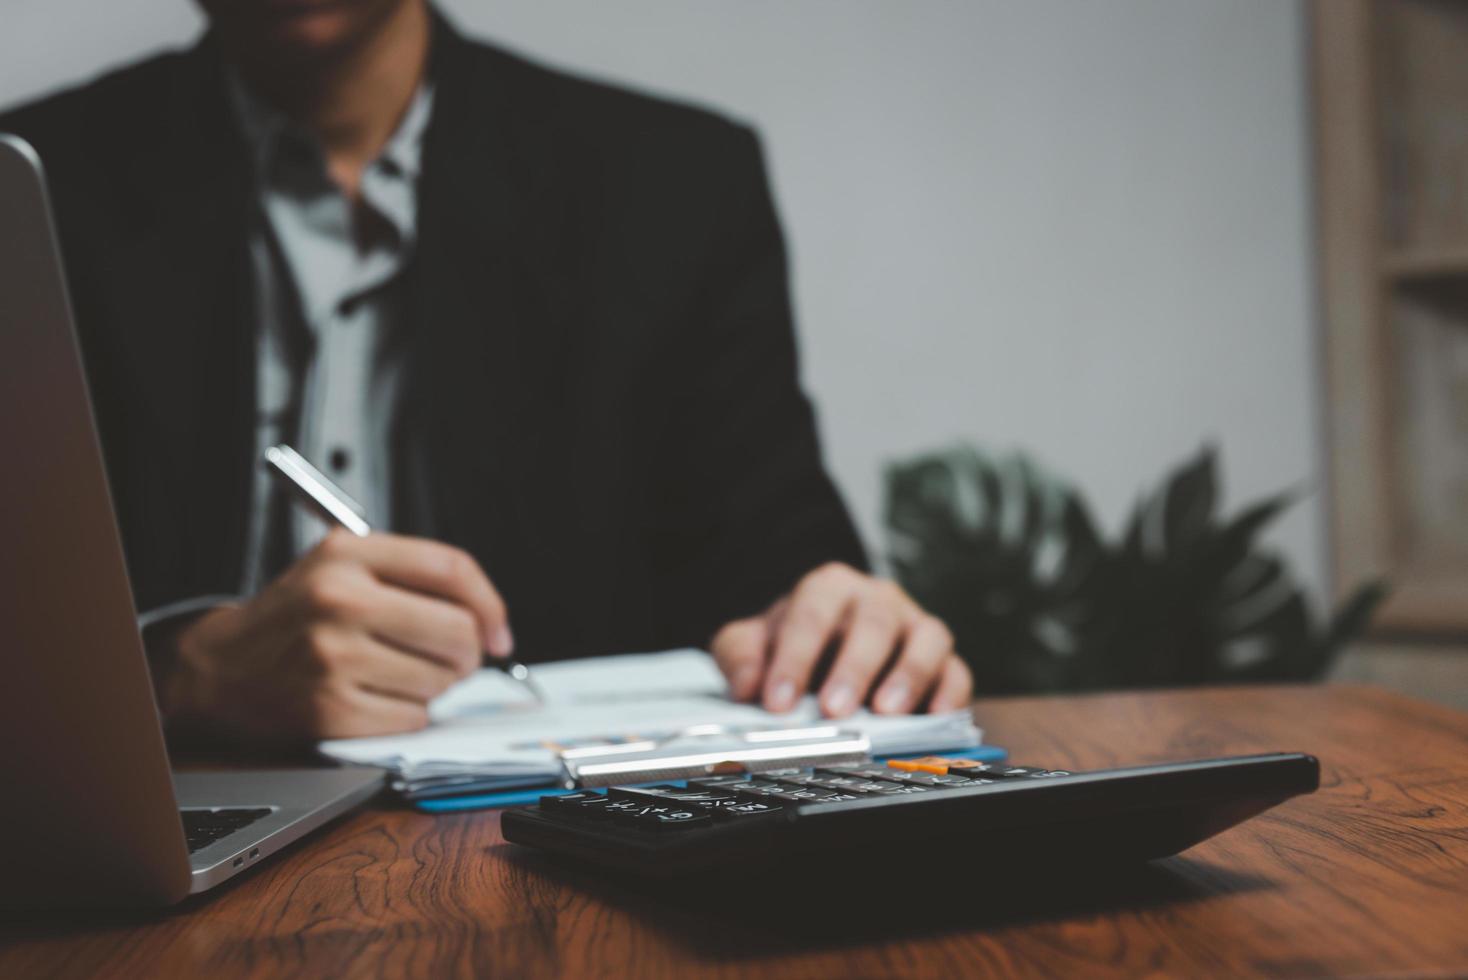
[1081,228]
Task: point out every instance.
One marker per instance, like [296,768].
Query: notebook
[487,734]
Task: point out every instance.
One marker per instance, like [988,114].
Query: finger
[955,689]
[346,594]
[443,631]
[434,568]
[740,650]
[397,673]
[355,712]
[775,615]
[811,620]
[872,633]
[917,668]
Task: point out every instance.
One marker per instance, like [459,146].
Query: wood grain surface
[1367,877]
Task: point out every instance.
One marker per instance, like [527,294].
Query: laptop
[92,813]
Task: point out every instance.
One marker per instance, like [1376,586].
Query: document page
[489,725]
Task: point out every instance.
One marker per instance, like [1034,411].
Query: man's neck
[353,103]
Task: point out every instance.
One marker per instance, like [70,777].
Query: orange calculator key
[937,765]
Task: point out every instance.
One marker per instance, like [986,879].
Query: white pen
[332,504]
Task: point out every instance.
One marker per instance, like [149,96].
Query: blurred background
[1107,234]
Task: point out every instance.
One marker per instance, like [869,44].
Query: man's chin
[307,35]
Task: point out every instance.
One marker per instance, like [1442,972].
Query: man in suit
[539,326]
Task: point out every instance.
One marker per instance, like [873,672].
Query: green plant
[1009,556]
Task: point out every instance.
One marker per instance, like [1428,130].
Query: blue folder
[517,797]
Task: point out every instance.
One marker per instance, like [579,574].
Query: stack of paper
[487,733]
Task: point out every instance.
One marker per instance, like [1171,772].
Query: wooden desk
[1367,877]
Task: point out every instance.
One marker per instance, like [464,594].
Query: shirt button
[340,459]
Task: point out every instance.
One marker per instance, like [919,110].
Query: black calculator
[788,819]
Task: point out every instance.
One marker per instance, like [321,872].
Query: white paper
[488,724]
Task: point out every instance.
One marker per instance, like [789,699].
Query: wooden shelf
[1425,264]
[1424,604]
[1391,118]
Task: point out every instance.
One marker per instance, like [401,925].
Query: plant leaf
[1351,618]
[1189,500]
[1231,546]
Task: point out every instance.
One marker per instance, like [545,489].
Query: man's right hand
[354,639]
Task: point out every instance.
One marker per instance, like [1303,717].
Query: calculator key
[619,807]
[726,777]
[673,789]
[866,786]
[957,766]
[757,790]
[837,798]
[925,779]
[672,819]
[634,814]
[1014,772]
[881,774]
[904,778]
[803,794]
[580,804]
[662,791]
[831,784]
[772,793]
[845,784]
[702,797]
[936,765]
[587,806]
[749,810]
[716,782]
[640,795]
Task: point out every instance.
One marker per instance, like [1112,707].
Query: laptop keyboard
[204,827]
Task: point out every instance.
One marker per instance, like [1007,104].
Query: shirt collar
[404,148]
[266,130]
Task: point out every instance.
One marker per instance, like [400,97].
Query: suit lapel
[194,350]
[487,377]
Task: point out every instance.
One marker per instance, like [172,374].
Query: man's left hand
[889,652]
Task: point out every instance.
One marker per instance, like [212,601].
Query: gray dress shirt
[328,283]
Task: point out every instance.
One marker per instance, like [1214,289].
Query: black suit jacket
[601,402]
